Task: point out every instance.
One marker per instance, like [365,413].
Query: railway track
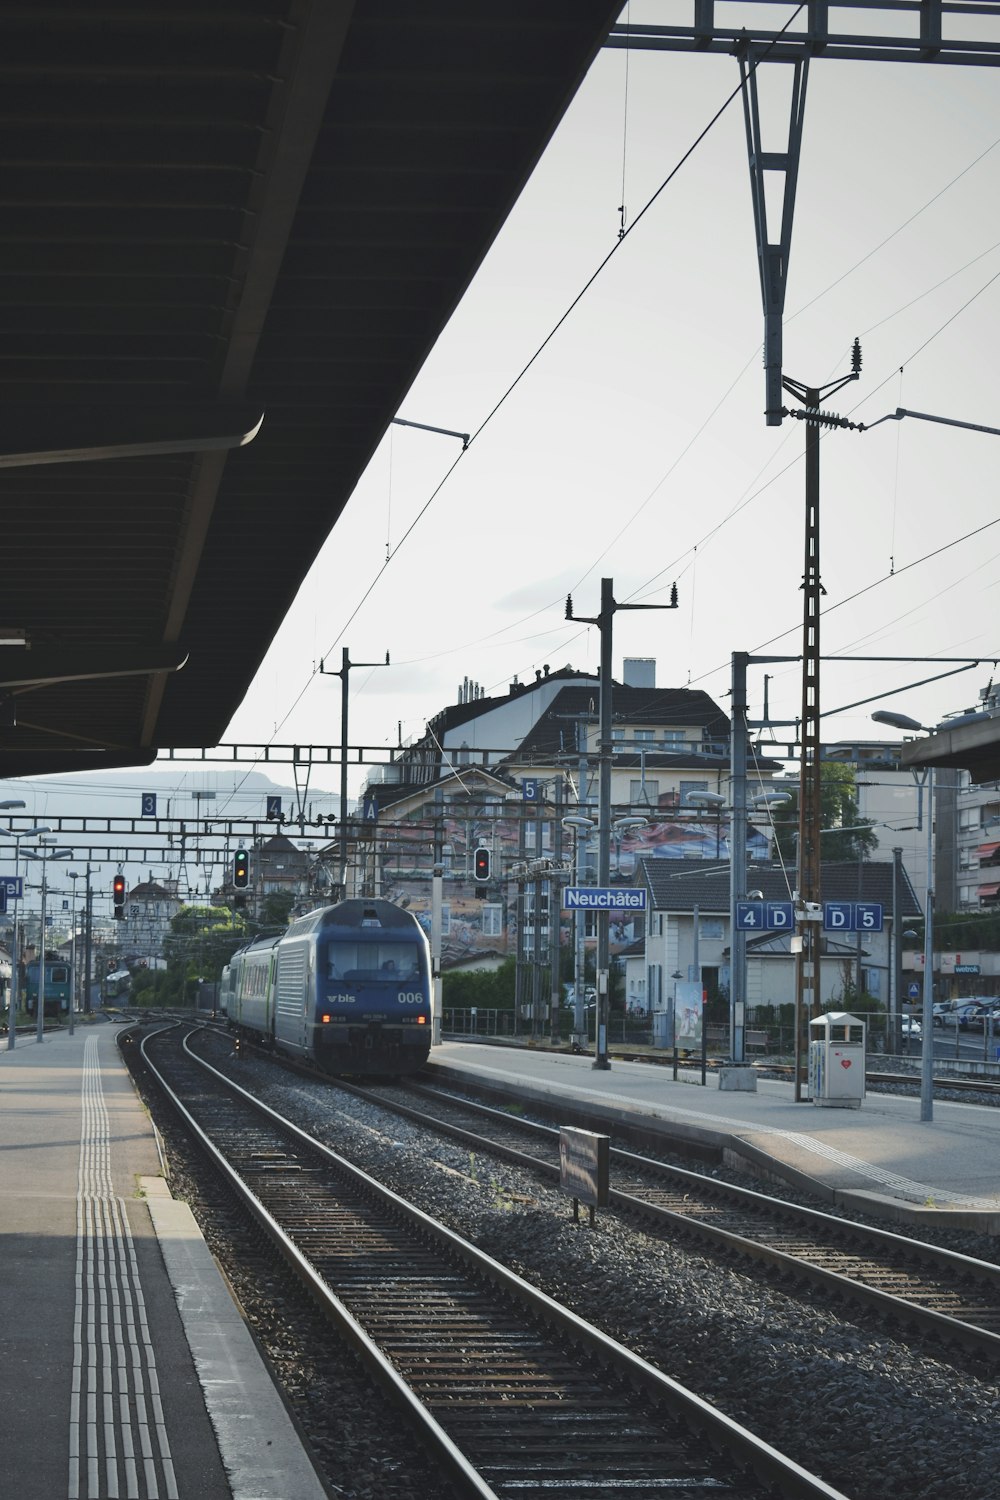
[955,1299]
[514,1394]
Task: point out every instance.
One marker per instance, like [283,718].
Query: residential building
[679,896]
[147,914]
[461,787]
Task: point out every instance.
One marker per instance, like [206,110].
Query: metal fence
[763,1037]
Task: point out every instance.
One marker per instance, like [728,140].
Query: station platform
[879,1158]
[127,1371]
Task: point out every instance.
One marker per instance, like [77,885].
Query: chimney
[639,671]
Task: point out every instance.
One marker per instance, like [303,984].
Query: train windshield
[373,960]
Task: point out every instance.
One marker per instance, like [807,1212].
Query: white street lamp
[44,855]
[903,721]
[29,833]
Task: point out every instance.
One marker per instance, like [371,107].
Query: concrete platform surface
[126,1369]
[879,1158]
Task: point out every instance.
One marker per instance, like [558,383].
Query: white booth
[837,1060]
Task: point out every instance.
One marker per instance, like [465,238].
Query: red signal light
[119,891]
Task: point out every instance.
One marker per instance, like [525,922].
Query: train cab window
[60,976]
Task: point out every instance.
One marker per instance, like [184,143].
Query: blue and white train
[348,986]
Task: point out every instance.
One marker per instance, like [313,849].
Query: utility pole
[808,910]
[87,953]
[604,622]
[555,915]
[344,674]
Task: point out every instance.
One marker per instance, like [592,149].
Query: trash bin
[837,1060]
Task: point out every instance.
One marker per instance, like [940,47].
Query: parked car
[960,1014]
[911,1026]
[941,1009]
[988,1007]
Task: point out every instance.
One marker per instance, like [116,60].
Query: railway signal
[241,870]
[481,862]
[118,893]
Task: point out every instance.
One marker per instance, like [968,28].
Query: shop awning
[988,853]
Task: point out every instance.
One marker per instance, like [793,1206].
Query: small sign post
[584,1168]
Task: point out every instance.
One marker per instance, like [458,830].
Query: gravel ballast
[825,1385]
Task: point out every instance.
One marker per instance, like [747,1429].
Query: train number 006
[410,997]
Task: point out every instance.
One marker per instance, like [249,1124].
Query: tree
[202,940]
[856,837]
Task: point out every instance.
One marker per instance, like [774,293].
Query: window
[643,792]
[493,921]
[644,736]
[691,786]
[673,736]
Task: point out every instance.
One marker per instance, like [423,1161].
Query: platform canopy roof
[219,216]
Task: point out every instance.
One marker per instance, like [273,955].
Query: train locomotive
[347,986]
[57,988]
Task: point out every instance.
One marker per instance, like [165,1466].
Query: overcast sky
[635,447]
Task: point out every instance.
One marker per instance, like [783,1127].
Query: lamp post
[673,1018]
[14,974]
[44,855]
[582,827]
[903,721]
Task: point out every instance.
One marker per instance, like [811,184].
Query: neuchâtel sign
[603,898]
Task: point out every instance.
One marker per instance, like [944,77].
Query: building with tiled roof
[678,889]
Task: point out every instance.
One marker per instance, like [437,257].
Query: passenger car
[910,1025]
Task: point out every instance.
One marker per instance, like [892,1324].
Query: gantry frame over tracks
[926,34]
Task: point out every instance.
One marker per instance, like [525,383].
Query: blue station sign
[852,916]
[603,898]
[765,916]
